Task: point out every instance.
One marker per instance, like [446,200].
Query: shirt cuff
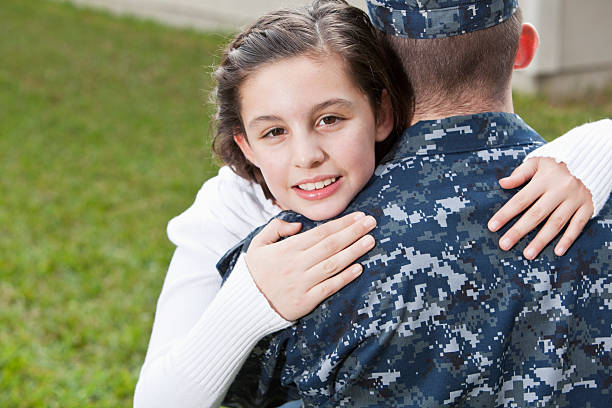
[587,152]
[238,318]
[240,277]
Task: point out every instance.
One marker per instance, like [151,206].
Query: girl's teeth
[318,185]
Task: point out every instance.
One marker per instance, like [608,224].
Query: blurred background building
[575,55]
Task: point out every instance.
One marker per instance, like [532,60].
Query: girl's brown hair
[326,27]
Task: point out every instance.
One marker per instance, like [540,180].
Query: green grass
[103,128]
[552,119]
[103,138]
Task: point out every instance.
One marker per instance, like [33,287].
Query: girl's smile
[318,188]
[312,132]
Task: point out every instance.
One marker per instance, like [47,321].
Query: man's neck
[448,106]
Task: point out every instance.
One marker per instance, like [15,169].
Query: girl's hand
[552,192]
[298,273]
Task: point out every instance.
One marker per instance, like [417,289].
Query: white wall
[575,54]
[202,14]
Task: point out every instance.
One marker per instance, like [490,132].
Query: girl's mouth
[318,185]
[318,190]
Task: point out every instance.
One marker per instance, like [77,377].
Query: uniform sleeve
[587,152]
[203,332]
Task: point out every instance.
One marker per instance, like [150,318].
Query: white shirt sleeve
[587,152]
[203,332]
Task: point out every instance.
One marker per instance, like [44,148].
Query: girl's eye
[275,132]
[329,120]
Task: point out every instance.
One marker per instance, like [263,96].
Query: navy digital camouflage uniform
[441,316]
[438,18]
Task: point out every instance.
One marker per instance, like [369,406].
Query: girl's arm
[569,181]
[192,303]
[192,363]
[203,332]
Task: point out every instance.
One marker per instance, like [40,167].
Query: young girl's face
[311,132]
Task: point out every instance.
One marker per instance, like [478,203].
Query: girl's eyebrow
[340,102]
[264,118]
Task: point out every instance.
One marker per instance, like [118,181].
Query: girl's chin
[320,214]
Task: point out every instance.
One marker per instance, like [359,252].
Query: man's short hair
[480,62]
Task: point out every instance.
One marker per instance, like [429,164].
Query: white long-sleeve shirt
[203,331]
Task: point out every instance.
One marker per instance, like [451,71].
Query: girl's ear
[384,121]
[242,142]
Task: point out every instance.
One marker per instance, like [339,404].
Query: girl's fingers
[579,220]
[530,220]
[328,287]
[312,237]
[340,240]
[322,251]
[516,205]
[555,223]
[338,262]
[521,174]
[553,186]
[275,230]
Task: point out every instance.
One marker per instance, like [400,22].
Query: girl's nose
[307,152]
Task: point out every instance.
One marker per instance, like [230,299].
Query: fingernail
[560,251]
[530,253]
[356,270]
[358,215]
[369,222]
[505,244]
[368,241]
[494,225]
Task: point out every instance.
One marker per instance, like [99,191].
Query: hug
[370,152]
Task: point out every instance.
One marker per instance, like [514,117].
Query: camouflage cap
[438,18]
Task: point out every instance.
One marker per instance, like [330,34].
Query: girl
[317,78]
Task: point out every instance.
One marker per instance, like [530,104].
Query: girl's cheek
[273,167]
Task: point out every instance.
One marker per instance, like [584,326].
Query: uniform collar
[456,134]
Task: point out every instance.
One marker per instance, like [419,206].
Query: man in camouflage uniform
[440,315]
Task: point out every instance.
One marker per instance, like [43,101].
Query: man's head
[459,54]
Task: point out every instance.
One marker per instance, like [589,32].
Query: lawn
[104,138]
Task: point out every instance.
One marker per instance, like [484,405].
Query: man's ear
[528,44]
[384,120]
[242,142]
